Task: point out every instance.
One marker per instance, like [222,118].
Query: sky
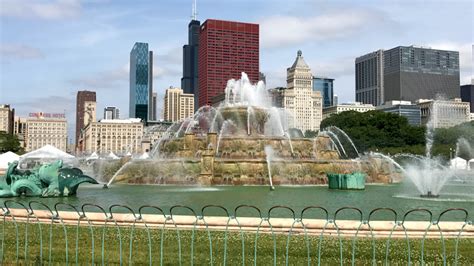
[50,49]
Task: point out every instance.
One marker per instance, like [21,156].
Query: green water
[400,197]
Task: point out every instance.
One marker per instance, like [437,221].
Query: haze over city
[49,50]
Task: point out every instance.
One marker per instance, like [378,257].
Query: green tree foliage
[377,130]
[310,134]
[447,138]
[9,142]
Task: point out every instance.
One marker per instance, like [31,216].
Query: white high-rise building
[299,98]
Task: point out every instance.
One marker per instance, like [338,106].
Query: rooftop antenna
[194,11]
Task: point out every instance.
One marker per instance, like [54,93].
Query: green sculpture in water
[48,180]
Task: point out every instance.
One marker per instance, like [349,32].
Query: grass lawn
[237,253]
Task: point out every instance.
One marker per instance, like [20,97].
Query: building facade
[177,105]
[412,73]
[189,81]
[154,101]
[467,95]
[326,87]
[406,73]
[444,113]
[369,78]
[46,129]
[406,109]
[7,115]
[19,129]
[226,49]
[141,81]
[153,132]
[117,136]
[81,109]
[299,98]
[111,112]
[357,106]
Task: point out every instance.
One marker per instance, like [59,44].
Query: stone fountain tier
[241,125]
[251,147]
[223,171]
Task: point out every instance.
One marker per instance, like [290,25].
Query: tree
[376,130]
[9,142]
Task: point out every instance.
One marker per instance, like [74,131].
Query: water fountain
[230,144]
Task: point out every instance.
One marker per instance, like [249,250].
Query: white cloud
[58,9]
[278,31]
[104,80]
[99,34]
[19,51]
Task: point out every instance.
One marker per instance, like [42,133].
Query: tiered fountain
[229,145]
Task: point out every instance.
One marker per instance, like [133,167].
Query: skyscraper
[299,98]
[326,87]
[189,81]
[412,73]
[369,77]
[111,112]
[467,95]
[406,73]
[141,76]
[154,106]
[81,109]
[226,49]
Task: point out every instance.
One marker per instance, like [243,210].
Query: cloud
[99,34]
[58,9]
[173,56]
[19,51]
[105,79]
[280,31]
[335,68]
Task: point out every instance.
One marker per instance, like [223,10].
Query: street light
[450,153]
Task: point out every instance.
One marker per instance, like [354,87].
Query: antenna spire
[194,12]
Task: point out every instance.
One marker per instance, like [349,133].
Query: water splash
[125,165]
[270,153]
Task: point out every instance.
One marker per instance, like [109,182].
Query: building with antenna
[189,81]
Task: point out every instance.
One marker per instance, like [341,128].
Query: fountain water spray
[117,173]
[269,156]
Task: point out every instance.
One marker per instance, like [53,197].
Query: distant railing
[90,234]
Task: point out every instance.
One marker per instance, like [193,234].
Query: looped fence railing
[36,233]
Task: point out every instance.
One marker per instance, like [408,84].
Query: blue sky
[51,49]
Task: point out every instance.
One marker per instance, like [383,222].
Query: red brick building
[226,49]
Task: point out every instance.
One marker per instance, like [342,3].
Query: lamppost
[451,153]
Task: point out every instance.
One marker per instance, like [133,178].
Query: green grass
[298,254]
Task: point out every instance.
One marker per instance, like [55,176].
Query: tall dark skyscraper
[467,95]
[226,49]
[141,77]
[81,99]
[406,73]
[412,73]
[189,81]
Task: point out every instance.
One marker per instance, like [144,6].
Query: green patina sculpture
[48,180]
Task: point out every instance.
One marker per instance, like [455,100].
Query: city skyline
[57,59]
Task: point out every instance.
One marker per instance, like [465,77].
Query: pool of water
[400,197]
